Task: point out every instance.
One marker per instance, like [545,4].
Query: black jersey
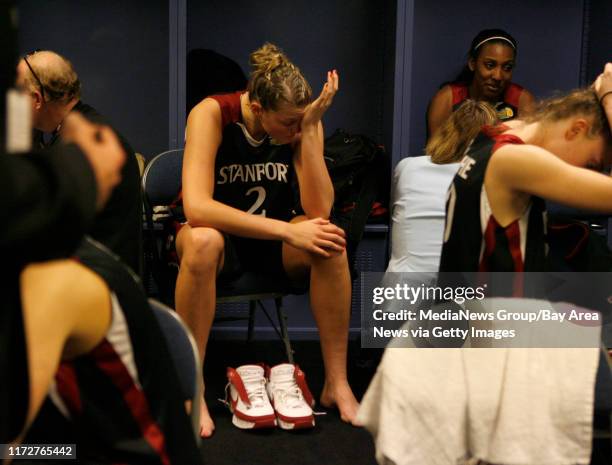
[253,176]
[473,240]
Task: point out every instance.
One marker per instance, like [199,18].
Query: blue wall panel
[119,50]
[354,37]
[549,38]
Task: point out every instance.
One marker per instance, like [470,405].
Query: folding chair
[161,184]
[185,358]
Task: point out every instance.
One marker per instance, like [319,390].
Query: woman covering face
[242,151]
[487,76]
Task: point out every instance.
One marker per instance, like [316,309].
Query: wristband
[604,96]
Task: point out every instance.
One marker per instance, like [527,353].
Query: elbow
[196,214]
[318,210]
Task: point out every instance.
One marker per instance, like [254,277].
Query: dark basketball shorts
[245,254]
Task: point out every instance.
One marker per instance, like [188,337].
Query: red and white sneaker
[248,399]
[291,397]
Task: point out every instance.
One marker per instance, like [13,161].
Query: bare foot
[342,397]
[207,426]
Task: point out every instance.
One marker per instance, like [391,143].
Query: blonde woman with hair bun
[242,151]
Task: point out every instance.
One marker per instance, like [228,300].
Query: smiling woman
[486,76]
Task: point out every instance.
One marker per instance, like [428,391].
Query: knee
[337,260]
[202,249]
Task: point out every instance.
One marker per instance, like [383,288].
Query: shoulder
[443,97]
[520,159]
[440,108]
[208,110]
[229,105]
[518,96]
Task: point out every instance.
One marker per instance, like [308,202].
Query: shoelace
[288,393]
[255,386]
[257,394]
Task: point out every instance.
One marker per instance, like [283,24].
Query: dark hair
[486,36]
[275,80]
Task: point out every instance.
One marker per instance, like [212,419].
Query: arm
[440,108]
[526,103]
[204,135]
[533,170]
[316,189]
[603,85]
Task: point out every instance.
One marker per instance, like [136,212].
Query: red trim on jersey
[110,363]
[513,234]
[489,241]
[512,94]
[504,139]
[497,133]
[230,107]
[68,387]
[460,92]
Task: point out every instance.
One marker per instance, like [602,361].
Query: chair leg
[251,328]
[282,322]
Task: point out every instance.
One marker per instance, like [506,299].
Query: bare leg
[53,296]
[201,254]
[330,297]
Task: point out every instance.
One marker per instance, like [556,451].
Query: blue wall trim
[177,40]
[403,79]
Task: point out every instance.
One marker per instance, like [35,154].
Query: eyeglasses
[40,84]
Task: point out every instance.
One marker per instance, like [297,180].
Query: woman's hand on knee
[318,236]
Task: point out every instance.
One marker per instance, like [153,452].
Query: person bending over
[495,217]
[51,201]
[487,76]
[241,152]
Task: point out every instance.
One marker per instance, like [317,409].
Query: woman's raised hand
[318,236]
[603,83]
[315,110]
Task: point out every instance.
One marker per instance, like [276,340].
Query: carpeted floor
[331,442]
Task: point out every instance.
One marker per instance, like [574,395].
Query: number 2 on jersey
[261,197]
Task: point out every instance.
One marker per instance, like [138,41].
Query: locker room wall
[120,52]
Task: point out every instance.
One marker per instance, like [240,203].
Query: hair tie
[604,96]
[495,38]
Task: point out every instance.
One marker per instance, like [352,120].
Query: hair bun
[266,59]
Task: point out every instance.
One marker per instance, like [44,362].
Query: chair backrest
[185,358]
[161,181]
